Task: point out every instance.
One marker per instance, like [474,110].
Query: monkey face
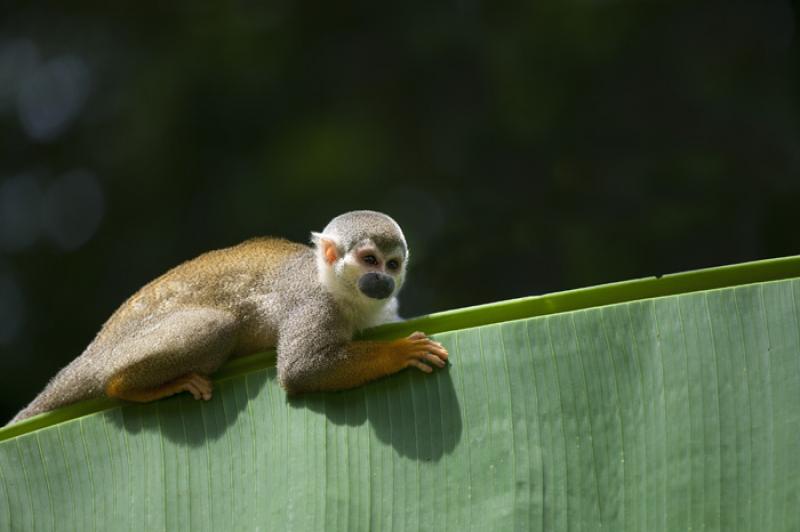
[370,272]
[381,270]
[367,273]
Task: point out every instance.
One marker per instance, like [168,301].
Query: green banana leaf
[667,403]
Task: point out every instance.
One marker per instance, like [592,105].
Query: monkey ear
[326,247]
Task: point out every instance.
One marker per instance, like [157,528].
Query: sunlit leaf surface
[672,413]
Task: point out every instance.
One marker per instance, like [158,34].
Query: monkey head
[361,257]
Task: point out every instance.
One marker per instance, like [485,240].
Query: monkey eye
[392,264]
[370,259]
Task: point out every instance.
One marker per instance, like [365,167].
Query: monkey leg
[172,355]
[355,363]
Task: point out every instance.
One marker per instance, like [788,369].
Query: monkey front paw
[198,385]
[422,351]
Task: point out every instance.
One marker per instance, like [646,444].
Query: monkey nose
[376,285]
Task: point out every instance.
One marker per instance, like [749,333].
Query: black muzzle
[376,285]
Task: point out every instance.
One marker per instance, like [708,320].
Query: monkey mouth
[376,285]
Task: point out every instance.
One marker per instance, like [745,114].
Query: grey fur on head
[352,227]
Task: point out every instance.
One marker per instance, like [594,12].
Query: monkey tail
[67,387]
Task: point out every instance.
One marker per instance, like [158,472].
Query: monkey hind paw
[198,385]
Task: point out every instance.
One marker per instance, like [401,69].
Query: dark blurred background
[525,148]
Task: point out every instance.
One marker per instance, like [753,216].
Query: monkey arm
[316,358]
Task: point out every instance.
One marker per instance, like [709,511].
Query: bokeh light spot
[18,58]
[20,204]
[73,208]
[52,96]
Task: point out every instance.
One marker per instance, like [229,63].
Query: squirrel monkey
[264,293]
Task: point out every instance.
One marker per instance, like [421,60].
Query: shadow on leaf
[417,414]
[186,421]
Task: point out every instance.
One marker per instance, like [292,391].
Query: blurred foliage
[524,147]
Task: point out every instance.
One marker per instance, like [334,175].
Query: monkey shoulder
[316,322]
